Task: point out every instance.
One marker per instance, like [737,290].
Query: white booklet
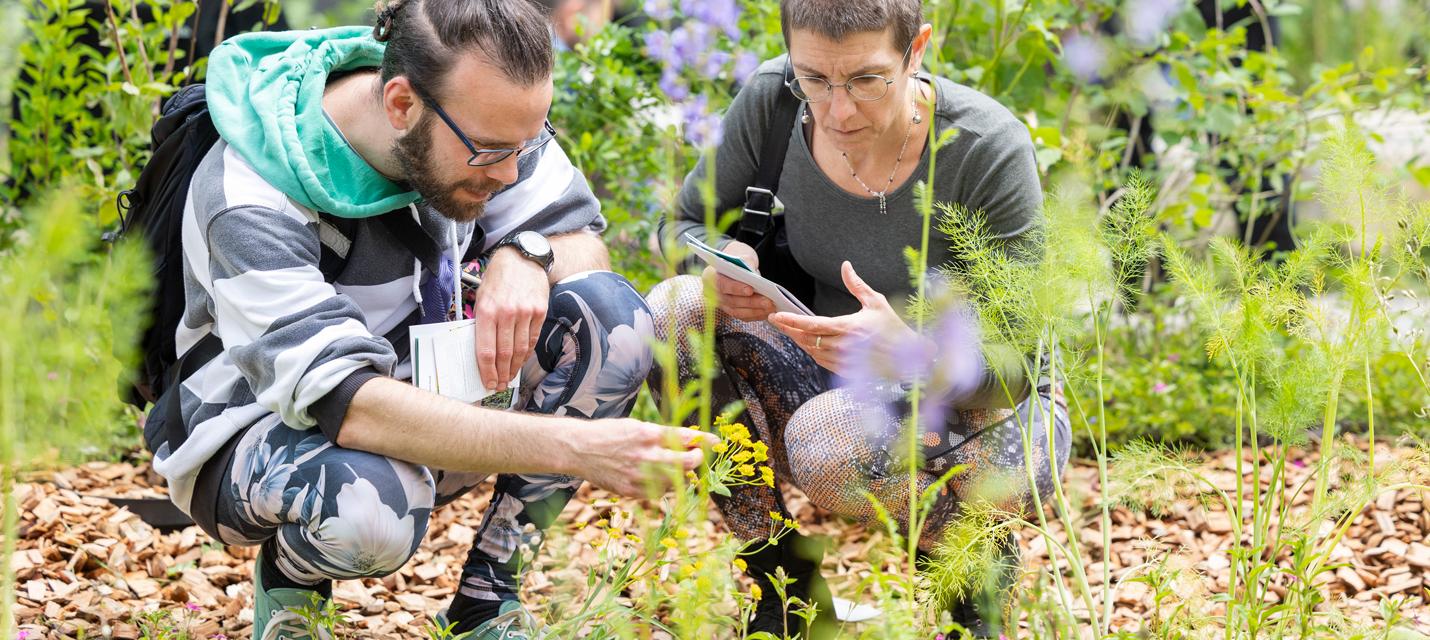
[444,360]
[734,268]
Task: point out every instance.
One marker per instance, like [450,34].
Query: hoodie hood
[265,92]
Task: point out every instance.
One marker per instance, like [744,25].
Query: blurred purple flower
[1146,19]
[880,368]
[657,46]
[702,128]
[1160,387]
[1175,357]
[690,42]
[193,607]
[673,86]
[1084,56]
[659,10]
[720,14]
[745,65]
[715,63]
[23,634]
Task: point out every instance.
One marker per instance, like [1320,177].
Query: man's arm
[392,418]
[575,253]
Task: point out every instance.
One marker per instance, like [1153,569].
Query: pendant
[882,209]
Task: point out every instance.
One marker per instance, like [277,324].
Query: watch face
[534,243]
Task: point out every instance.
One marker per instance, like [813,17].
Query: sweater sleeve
[291,335]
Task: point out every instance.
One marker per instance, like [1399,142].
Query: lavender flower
[688,57]
[720,14]
[1085,57]
[702,128]
[1146,19]
[745,65]
[880,369]
[660,10]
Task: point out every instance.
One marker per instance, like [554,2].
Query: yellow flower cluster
[743,454]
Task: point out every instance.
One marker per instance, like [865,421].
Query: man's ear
[400,103]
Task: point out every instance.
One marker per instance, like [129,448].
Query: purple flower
[702,128]
[947,361]
[673,86]
[720,14]
[1160,387]
[1175,357]
[1084,56]
[22,635]
[193,607]
[715,63]
[745,65]
[659,10]
[1146,19]
[691,41]
[657,46]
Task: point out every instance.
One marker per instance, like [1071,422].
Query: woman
[858,146]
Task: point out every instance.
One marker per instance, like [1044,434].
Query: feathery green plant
[67,334]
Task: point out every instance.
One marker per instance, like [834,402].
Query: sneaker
[275,614]
[512,622]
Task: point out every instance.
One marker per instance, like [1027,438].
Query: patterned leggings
[334,513]
[835,447]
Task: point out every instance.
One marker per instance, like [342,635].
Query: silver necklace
[908,133]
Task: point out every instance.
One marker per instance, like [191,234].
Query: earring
[804,117]
[918,115]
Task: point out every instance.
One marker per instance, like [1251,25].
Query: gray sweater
[988,166]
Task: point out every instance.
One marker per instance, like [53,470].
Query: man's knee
[604,296]
[599,321]
[374,516]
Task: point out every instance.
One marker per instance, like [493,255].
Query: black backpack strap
[410,234]
[760,202]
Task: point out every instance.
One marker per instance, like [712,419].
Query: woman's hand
[737,299]
[828,340]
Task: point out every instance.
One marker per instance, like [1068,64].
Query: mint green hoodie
[265,92]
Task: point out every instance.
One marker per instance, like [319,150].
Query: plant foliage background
[1166,143]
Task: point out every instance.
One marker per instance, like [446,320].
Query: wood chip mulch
[84,567]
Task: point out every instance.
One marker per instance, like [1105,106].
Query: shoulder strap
[760,201]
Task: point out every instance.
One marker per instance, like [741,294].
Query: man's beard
[414,153]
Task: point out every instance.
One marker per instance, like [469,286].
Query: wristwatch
[532,245]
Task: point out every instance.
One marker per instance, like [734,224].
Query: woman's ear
[919,45]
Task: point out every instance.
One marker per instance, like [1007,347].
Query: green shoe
[275,614]
[512,623]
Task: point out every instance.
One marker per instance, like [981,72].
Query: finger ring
[816,341]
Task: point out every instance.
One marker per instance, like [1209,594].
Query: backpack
[154,208]
[762,222]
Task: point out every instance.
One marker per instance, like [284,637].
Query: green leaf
[718,488]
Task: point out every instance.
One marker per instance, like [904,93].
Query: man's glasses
[486,157]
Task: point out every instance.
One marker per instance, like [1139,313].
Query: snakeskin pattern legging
[835,446]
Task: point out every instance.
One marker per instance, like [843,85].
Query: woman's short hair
[835,19]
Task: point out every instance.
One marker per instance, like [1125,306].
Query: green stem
[1102,473]
[1328,433]
[1369,414]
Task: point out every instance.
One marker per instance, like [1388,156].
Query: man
[395,150]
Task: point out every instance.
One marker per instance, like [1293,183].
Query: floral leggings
[334,513]
[834,446]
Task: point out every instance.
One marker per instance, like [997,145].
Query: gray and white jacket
[295,346]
